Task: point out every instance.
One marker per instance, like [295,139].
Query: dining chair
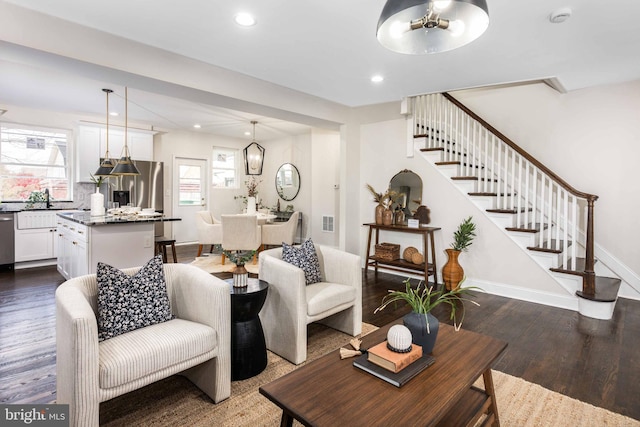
[241,233]
[209,230]
[279,233]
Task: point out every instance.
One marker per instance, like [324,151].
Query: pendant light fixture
[125,165]
[431,26]
[253,155]
[107,164]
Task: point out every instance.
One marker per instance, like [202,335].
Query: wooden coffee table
[330,391]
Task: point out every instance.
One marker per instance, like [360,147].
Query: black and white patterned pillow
[304,257]
[126,303]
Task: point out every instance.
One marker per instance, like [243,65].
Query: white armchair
[291,305]
[276,234]
[197,342]
[209,230]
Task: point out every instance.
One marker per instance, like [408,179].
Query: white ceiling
[328,49]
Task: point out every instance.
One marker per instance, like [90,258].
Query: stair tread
[606,290]
[548,247]
[529,228]
[489,194]
[432,149]
[577,270]
[457,163]
[508,211]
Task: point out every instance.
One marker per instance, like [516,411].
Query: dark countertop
[85,218]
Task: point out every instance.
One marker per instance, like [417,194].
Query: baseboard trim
[567,302]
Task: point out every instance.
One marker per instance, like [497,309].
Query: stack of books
[393,367]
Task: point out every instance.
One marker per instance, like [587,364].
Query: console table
[428,267]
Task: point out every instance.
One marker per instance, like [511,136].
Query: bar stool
[161,247]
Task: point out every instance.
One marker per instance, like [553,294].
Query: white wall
[325,177]
[588,137]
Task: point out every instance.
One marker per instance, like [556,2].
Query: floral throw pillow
[303,257]
[126,303]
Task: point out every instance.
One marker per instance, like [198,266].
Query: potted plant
[240,274]
[34,198]
[423,325]
[452,272]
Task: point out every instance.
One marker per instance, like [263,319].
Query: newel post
[589,280]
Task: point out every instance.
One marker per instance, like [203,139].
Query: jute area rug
[213,264]
[176,402]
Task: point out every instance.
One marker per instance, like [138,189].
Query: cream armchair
[197,342]
[240,233]
[209,230]
[276,234]
[291,305]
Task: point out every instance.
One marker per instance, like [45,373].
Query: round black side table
[248,349]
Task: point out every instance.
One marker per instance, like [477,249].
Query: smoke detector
[560,15]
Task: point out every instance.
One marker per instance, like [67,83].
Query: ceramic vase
[452,272]
[251,205]
[421,335]
[240,276]
[379,211]
[97,203]
[387,217]
[398,217]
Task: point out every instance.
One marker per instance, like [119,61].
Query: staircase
[544,215]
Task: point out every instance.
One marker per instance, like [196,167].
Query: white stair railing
[539,198]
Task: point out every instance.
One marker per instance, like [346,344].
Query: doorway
[190,196]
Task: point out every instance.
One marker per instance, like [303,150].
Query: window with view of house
[224,174]
[34,159]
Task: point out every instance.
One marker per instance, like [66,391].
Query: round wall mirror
[288,182]
[409,187]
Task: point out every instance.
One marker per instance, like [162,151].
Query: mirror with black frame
[408,185]
[288,182]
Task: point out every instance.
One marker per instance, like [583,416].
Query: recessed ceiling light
[247,133]
[245,20]
[377,78]
[114,114]
[197,126]
[560,15]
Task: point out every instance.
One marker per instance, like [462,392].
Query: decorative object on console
[304,257]
[422,215]
[417,258]
[125,165]
[431,26]
[253,155]
[387,251]
[383,212]
[452,272]
[422,324]
[407,254]
[126,303]
[107,164]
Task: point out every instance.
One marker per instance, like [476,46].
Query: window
[224,173]
[33,159]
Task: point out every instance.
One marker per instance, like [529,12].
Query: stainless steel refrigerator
[145,190]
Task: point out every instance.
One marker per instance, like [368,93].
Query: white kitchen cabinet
[35,233]
[121,245]
[73,257]
[91,145]
[35,244]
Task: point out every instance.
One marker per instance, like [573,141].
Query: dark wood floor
[594,361]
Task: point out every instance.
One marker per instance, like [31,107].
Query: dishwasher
[7,236]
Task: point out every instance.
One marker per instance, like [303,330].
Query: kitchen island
[119,240]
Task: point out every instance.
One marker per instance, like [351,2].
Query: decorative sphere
[417,258]
[399,338]
[408,252]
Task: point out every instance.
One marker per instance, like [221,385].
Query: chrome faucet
[47,197]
